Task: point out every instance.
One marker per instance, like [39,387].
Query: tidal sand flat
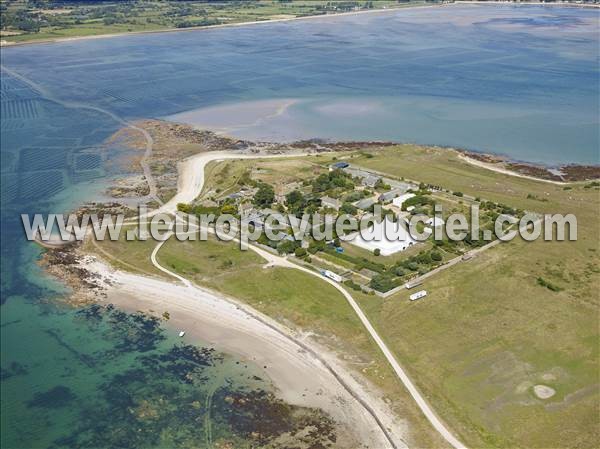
[234,118]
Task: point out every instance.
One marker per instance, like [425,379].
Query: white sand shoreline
[304,372]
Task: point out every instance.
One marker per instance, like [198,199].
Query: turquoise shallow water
[521,81]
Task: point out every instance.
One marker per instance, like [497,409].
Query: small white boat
[182,333]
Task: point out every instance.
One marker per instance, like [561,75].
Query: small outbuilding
[339,165]
[387,197]
[370,180]
[365,203]
[418,295]
[332,203]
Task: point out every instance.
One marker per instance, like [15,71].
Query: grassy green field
[488,331]
[483,337]
[222,176]
[46,20]
[125,255]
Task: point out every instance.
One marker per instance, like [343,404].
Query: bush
[316,246]
[424,259]
[300,252]
[185,208]
[353,285]
[412,266]
[377,252]
[435,256]
[458,194]
[286,247]
[382,283]
[544,283]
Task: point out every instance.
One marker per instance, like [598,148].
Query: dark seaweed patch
[15,369]
[129,332]
[56,397]
[184,362]
[259,416]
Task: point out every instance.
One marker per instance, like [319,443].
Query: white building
[396,239]
[398,201]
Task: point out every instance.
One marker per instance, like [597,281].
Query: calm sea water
[521,81]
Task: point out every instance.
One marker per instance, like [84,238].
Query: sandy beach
[303,372]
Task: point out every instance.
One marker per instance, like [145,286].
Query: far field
[488,331]
[24,20]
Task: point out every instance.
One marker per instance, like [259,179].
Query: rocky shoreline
[563,173]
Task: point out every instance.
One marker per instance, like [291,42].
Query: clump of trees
[265,195]
[383,282]
[334,179]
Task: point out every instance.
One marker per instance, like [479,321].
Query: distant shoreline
[212,27]
[5,44]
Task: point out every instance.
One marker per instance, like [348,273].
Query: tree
[382,282]
[377,252]
[295,201]
[265,195]
[321,184]
[286,247]
[335,178]
[348,208]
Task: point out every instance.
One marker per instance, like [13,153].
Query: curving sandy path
[191,175]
